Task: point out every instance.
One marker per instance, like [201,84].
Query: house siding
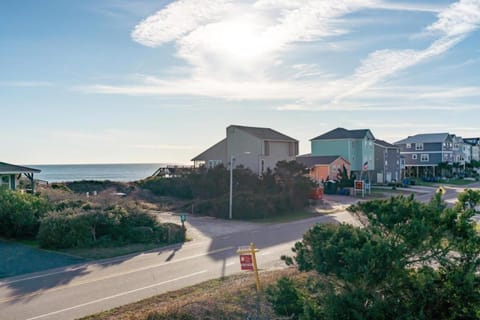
[356,151]
[239,142]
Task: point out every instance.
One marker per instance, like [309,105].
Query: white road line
[230,264]
[3,283]
[117,295]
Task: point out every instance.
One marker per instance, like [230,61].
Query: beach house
[355,146]
[424,152]
[10,174]
[323,168]
[252,147]
[387,162]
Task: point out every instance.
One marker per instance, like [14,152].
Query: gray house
[10,174]
[255,148]
[387,162]
[423,153]
[475,147]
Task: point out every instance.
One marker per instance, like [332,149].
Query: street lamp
[232,158]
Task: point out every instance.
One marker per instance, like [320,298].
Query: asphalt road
[87,288]
[83,289]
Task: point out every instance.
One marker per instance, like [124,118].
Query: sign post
[183,218]
[248,261]
[359,185]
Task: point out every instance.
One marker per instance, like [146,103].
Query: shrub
[93,226]
[69,228]
[20,214]
[175,187]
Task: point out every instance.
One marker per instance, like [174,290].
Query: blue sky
[159,81]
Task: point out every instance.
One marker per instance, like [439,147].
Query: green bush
[175,187]
[69,228]
[81,227]
[285,298]
[20,214]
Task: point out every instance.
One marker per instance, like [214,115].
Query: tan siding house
[255,148]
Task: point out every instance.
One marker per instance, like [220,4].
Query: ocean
[114,172]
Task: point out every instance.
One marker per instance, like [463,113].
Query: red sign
[246,262]
[359,185]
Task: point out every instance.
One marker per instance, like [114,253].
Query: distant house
[461,150]
[10,173]
[255,148]
[323,168]
[424,152]
[355,146]
[475,147]
[387,162]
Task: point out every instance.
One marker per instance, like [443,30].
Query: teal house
[356,146]
[10,174]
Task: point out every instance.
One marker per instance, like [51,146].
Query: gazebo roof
[7,168]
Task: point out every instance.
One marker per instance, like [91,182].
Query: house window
[424,157]
[291,149]
[386,162]
[213,163]
[414,156]
[4,182]
[409,146]
[419,146]
[266,148]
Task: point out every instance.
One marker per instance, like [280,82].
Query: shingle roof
[201,155]
[385,144]
[472,141]
[265,133]
[424,138]
[310,161]
[342,133]
[7,168]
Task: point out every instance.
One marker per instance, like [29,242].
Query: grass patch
[110,252]
[232,297]
[455,182]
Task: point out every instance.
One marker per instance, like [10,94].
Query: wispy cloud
[235,50]
[453,25]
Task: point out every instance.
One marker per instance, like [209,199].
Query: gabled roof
[342,133]
[219,144]
[265,133]
[310,161]
[472,141]
[385,144]
[7,168]
[425,138]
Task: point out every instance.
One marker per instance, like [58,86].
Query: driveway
[17,259]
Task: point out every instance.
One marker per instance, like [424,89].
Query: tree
[408,261]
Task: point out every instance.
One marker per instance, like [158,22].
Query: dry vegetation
[229,298]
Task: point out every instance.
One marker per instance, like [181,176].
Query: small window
[419,146]
[386,162]
[414,156]
[409,146]
[266,148]
[213,163]
[4,181]
[424,157]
